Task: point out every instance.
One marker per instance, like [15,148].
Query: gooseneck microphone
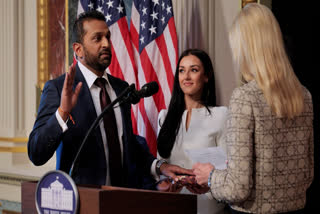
[147,90]
[130,94]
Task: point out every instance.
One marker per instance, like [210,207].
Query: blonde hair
[259,54]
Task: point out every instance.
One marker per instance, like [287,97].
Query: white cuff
[62,124]
[153,170]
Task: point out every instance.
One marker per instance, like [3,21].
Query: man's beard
[96,62]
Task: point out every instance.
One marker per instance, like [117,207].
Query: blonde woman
[269,131]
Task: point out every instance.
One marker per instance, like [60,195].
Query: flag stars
[144,11]
[100,9]
[168,9]
[110,4]
[120,9]
[108,17]
[154,15]
[152,30]
[163,6]
[90,5]
[142,40]
[143,25]
[156,2]
[163,20]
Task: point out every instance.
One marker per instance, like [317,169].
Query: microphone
[147,90]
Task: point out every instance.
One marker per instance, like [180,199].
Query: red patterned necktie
[110,126]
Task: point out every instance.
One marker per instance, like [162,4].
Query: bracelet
[159,164]
[209,178]
[69,115]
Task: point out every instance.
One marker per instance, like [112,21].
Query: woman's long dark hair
[170,127]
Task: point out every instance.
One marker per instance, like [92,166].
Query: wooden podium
[107,199]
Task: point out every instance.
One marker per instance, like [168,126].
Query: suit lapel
[85,108]
[118,86]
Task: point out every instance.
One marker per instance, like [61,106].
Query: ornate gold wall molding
[15,149]
[14,139]
[43,42]
[52,31]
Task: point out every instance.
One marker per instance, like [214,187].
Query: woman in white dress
[192,121]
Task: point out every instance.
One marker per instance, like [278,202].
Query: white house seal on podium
[57,193]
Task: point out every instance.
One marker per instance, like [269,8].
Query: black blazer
[47,137]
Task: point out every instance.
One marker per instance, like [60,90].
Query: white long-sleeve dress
[205,130]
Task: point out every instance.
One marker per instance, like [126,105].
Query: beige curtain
[195,24]
[204,24]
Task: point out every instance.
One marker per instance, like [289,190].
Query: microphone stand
[122,98]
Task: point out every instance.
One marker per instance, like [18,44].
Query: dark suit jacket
[47,137]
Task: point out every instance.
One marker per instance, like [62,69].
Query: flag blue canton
[112,9]
[154,17]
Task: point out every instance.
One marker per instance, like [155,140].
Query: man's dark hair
[77,30]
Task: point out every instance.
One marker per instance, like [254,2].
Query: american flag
[154,38]
[149,52]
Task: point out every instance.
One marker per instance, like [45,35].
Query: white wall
[18,55]
[18,78]
[225,12]
[30,62]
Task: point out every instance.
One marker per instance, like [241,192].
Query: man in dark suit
[70,104]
